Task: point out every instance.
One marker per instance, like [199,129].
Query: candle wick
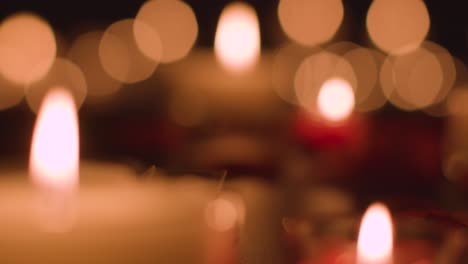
[221,181]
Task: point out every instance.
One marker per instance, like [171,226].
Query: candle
[232,80]
[110,218]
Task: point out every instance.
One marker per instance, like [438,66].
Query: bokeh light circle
[314,71]
[176,25]
[120,55]
[63,73]
[335,100]
[448,67]
[310,22]
[398,26]
[366,69]
[27,48]
[85,53]
[418,77]
[285,64]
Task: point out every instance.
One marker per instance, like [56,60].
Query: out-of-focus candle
[232,80]
[110,218]
[375,242]
[55,156]
[237,42]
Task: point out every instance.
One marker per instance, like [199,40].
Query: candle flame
[55,147]
[237,42]
[335,100]
[375,242]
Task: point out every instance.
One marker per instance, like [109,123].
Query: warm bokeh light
[221,215]
[176,25]
[85,53]
[457,102]
[10,94]
[120,55]
[63,73]
[54,153]
[375,241]
[366,69]
[376,99]
[398,26]
[388,85]
[447,64]
[27,48]
[310,22]
[335,100]
[316,70]
[419,77]
[415,80]
[286,61]
[237,41]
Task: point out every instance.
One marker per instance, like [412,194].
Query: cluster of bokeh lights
[98,62]
[403,68]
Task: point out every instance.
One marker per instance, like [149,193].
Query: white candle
[109,219]
[116,217]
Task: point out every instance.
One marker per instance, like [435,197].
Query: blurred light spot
[388,85]
[376,98]
[375,241]
[336,100]
[221,215]
[188,107]
[175,23]
[418,77]
[286,61]
[457,102]
[11,94]
[63,73]
[237,41]
[455,166]
[447,64]
[85,53]
[365,68]
[310,22]
[27,48]
[147,41]
[314,71]
[398,26]
[120,56]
